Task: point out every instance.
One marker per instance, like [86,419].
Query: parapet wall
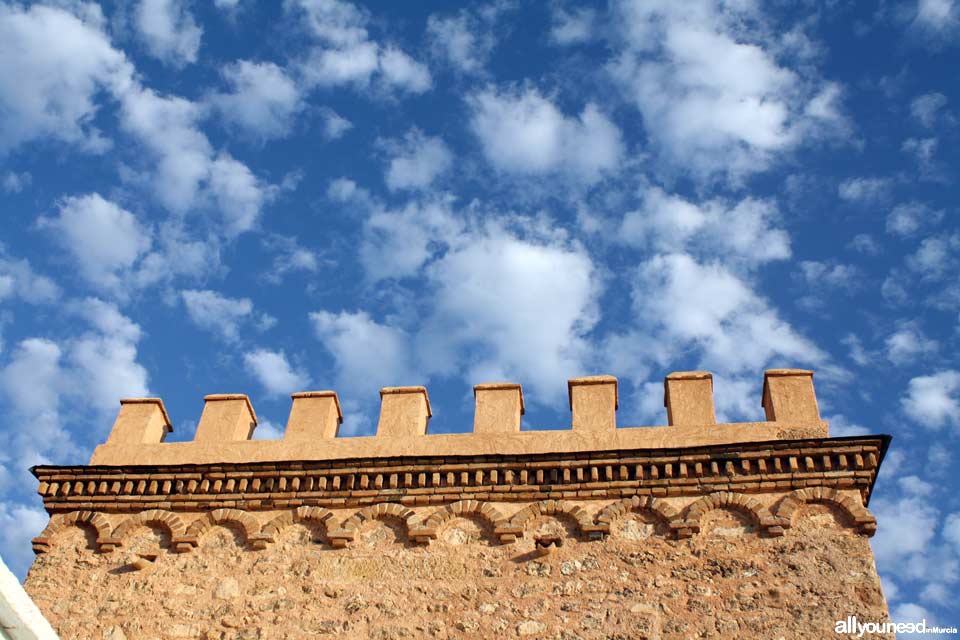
[228,421]
[694,529]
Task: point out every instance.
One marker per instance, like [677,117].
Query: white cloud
[368,355]
[908,218]
[336,67]
[397,242]
[461,40]
[707,307]
[929,108]
[416,161]
[715,100]
[933,401]
[53,65]
[32,378]
[222,315]
[523,132]
[334,126]
[403,72]
[289,257]
[864,190]
[924,151]
[741,232]
[908,528]
[936,257]
[865,244]
[332,21]
[167,126]
[263,99]
[572,27]
[17,278]
[104,240]
[274,372]
[15,182]
[267,430]
[522,306]
[19,523]
[346,55]
[938,18]
[240,196]
[106,359]
[189,175]
[841,427]
[823,275]
[907,344]
[168,31]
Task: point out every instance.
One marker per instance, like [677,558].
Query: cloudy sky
[225,196]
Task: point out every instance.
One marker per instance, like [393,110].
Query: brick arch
[97,521]
[551,508]
[690,524]
[483,510]
[347,531]
[243,520]
[164,519]
[617,510]
[427,529]
[315,515]
[864,521]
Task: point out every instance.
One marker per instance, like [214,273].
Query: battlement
[400,533]
[228,422]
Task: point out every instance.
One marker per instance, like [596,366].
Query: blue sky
[267,198]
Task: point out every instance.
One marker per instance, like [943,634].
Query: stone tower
[691,530]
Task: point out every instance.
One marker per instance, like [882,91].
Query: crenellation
[226,417]
[688,398]
[404,511]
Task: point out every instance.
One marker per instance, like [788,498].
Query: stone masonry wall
[729,580]
[690,530]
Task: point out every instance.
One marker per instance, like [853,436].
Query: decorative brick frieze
[848,463]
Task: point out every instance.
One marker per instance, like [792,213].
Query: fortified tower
[691,530]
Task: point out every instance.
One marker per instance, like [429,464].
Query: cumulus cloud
[289,257]
[188,172]
[929,108]
[263,99]
[715,100]
[168,31]
[334,125]
[864,190]
[19,523]
[346,55]
[103,239]
[53,65]
[707,306]
[397,242]
[106,358]
[572,27]
[274,372]
[936,257]
[744,231]
[462,40]
[14,182]
[907,344]
[367,354]
[824,275]
[416,161]
[908,218]
[221,315]
[934,401]
[525,133]
[487,290]
[18,279]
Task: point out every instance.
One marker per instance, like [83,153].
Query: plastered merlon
[228,421]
